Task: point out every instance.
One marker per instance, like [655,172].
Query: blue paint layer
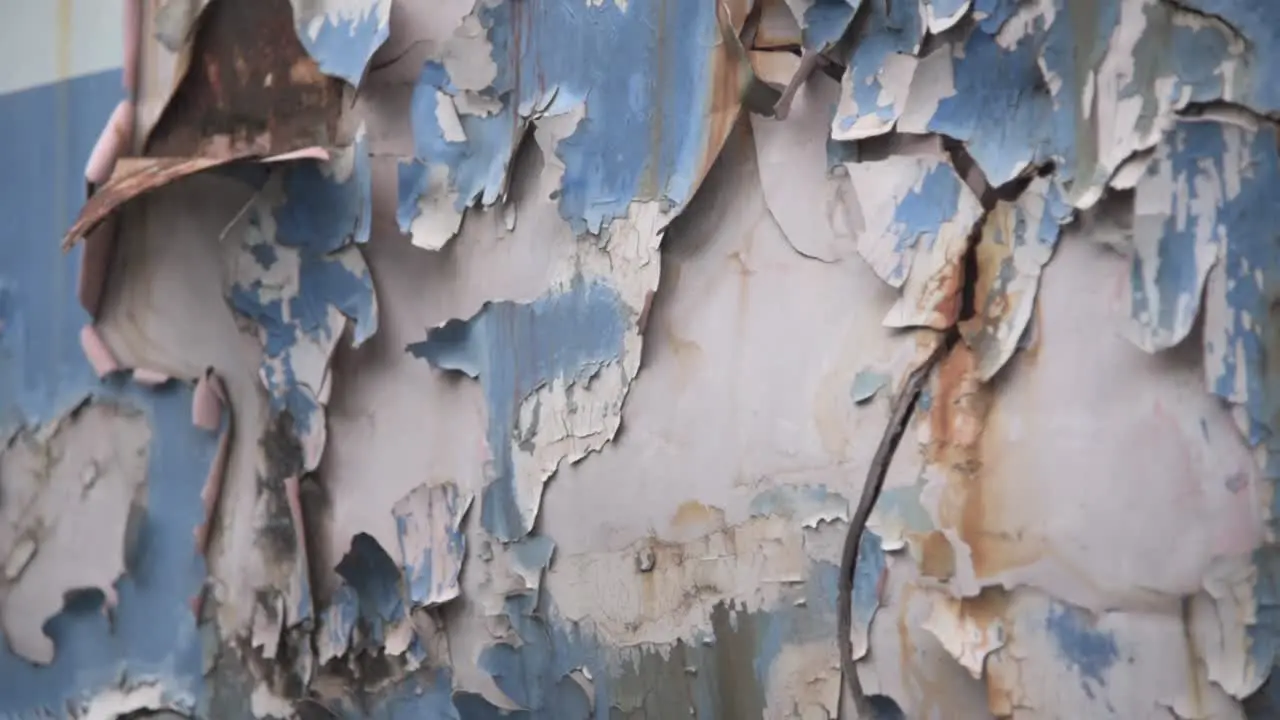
[825,22]
[342,46]
[644,135]
[1090,651]
[1195,157]
[326,210]
[516,348]
[947,8]
[868,575]
[1258,22]
[922,212]
[1001,108]
[1072,46]
[440,516]
[992,14]
[319,220]
[50,131]
[890,28]
[866,384]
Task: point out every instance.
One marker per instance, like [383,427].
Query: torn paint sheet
[515,349]
[1195,205]
[1085,86]
[242,92]
[369,612]
[1258,24]
[69,495]
[1018,239]
[1117,74]
[792,161]
[341,35]
[107,469]
[1177,234]
[298,276]
[823,22]
[985,76]
[879,70]
[432,544]
[468,119]
[916,215]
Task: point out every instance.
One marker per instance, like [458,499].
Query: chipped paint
[874,91]
[914,231]
[341,35]
[1018,239]
[432,546]
[1070,197]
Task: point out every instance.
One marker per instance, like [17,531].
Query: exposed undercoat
[488,358]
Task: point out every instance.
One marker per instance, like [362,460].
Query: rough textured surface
[544,376]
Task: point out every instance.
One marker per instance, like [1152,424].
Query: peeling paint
[464,154]
[341,35]
[873,93]
[1018,239]
[432,546]
[1081,530]
[915,230]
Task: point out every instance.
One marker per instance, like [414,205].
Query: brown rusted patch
[249,90]
[694,516]
[937,558]
[250,87]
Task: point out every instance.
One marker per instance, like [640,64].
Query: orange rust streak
[971,503]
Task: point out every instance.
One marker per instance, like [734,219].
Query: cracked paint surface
[697,323]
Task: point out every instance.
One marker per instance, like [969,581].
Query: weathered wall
[510,358]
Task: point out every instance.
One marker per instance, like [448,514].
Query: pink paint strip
[315,152]
[149,377]
[206,409]
[293,496]
[99,248]
[97,352]
[132,47]
[206,402]
[111,143]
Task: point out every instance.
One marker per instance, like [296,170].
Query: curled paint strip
[207,404]
[97,352]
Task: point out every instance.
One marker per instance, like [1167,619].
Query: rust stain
[988,609]
[693,515]
[229,105]
[937,558]
[959,417]
[224,103]
[945,286]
